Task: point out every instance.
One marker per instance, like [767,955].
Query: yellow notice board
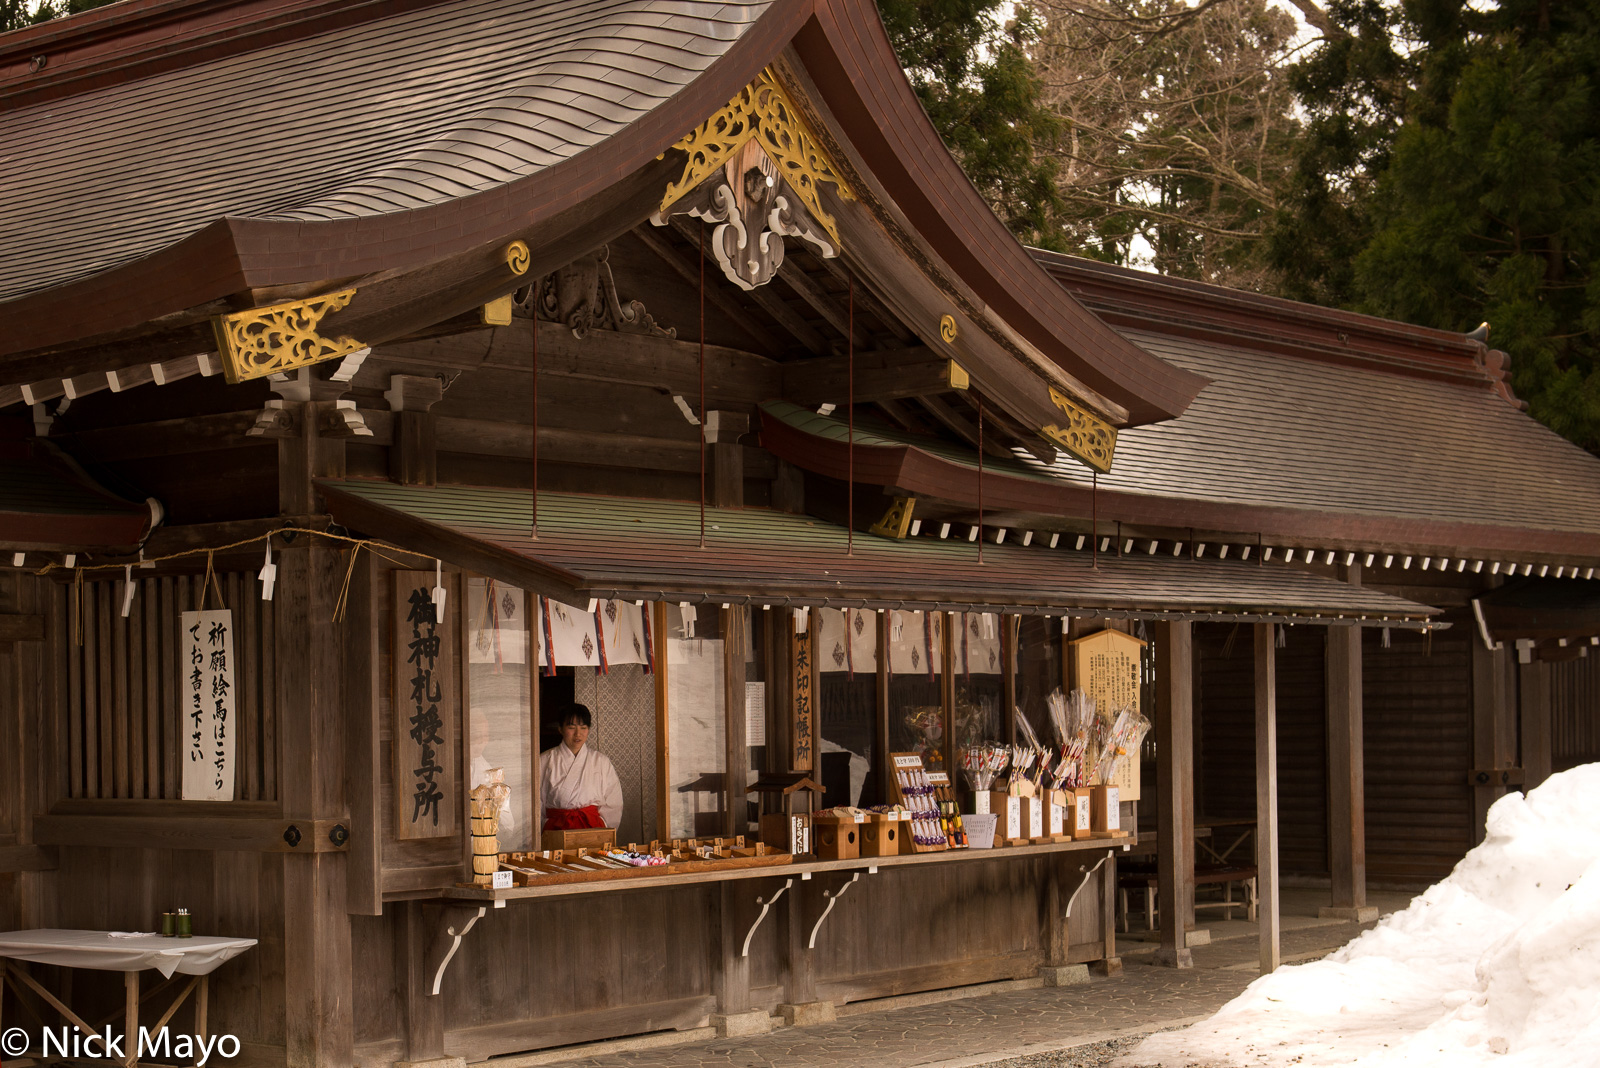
[1106,664]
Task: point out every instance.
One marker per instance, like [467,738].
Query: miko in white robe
[576,780]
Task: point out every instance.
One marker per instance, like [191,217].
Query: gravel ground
[1088,1055]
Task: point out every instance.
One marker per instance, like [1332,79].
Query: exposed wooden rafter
[763,296]
[958,424]
[998,422]
[867,300]
[685,267]
[807,289]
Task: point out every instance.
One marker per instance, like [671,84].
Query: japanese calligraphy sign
[206,705]
[1107,667]
[425,712]
[805,750]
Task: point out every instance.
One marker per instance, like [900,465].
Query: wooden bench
[1224,876]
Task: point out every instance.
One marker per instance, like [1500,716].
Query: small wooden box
[1081,814]
[836,837]
[880,837]
[1033,817]
[586,838]
[1105,810]
[1009,809]
[787,834]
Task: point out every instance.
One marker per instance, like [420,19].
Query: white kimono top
[575,780]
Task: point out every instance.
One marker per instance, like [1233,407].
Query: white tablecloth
[97,949]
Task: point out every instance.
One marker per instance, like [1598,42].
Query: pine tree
[1489,208]
[972,74]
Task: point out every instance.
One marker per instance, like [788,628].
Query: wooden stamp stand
[787,829]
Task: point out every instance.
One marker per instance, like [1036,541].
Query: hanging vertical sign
[208,726]
[804,705]
[424,713]
[1107,666]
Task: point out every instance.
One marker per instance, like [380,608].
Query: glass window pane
[499,675]
[976,653]
[916,689]
[696,721]
[1038,671]
[847,701]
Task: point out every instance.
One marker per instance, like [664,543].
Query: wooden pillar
[725,456]
[1533,701]
[880,722]
[364,690]
[794,928]
[731,980]
[1267,796]
[424,1012]
[1110,964]
[1009,634]
[312,728]
[413,446]
[737,752]
[947,686]
[1347,819]
[1175,778]
[658,624]
[1490,715]
[311,445]
[789,489]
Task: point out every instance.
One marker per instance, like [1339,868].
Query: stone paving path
[1000,1026]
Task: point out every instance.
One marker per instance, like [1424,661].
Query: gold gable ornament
[755,169]
[1086,436]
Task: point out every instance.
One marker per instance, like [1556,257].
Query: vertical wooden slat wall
[123,684]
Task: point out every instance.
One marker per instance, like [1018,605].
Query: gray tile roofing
[387,116]
[1290,432]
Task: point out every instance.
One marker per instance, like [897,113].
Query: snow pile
[1499,964]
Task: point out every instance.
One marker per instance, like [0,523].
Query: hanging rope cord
[209,582]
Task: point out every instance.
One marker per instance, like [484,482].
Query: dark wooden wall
[1225,738]
[1418,742]
[1575,712]
[122,684]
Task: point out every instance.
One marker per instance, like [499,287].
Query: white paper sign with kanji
[206,705]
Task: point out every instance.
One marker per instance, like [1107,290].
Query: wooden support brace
[833,899]
[1085,871]
[765,904]
[458,920]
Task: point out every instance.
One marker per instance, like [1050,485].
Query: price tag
[502,880]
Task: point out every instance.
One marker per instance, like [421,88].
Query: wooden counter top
[803,869]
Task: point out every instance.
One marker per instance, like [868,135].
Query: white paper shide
[206,710]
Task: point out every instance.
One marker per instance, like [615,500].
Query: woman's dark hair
[577,712]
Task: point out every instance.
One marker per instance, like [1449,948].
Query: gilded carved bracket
[756,171]
[279,338]
[1087,436]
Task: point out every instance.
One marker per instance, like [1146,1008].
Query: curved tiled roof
[1286,432]
[388,116]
